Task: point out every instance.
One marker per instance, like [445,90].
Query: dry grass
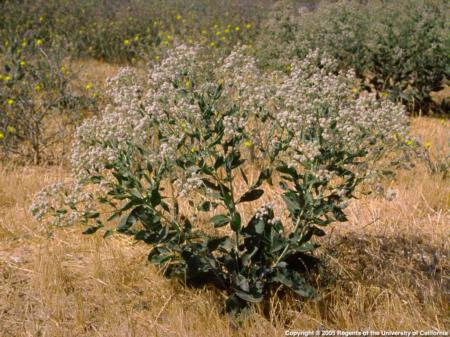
[387,268]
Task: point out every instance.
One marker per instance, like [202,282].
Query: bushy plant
[37,102]
[399,49]
[184,160]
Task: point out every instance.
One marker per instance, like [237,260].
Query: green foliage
[398,48]
[126,31]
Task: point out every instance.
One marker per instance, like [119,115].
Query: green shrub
[399,48]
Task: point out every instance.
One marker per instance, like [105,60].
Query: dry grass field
[388,268]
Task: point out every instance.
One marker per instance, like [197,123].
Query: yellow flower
[94,95]
[218,33]
[248,25]
[126,42]
[194,149]
[157,57]
[355,90]
[37,87]
[136,37]
[7,78]
[88,86]
[39,42]
[10,101]
[23,63]
[212,44]
[227,30]
[384,94]
[1,77]
[10,129]
[63,69]
[427,144]
[188,83]
[24,43]
[409,142]
[178,17]
[2,135]
[237,28]
[41,19]
[248,143]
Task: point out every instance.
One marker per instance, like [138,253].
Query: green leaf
[91,215]
[108,233]
[251,195]
[236,222]
[92,229]
[219,220]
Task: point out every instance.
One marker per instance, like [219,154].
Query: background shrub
[398,48]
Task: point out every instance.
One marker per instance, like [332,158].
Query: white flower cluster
[264,211]
[62,201]
[193,181]
[312,97]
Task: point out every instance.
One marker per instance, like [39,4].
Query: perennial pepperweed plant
[165,160]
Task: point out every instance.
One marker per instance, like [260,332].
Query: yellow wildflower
[248,25]
[384,94]
[237,28]
[126,42]
[10,101]
[188,83]
[88,86]
[355,90]
[194,149]
[24,43]
[2,135]
[37,87]
[227,30]
[23,63]
[39,42]
[7,78]
[212,44]
[178,17]
[248,143]
[10,129]
[427,144]
[218,33]
[41,19]
[409,142]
